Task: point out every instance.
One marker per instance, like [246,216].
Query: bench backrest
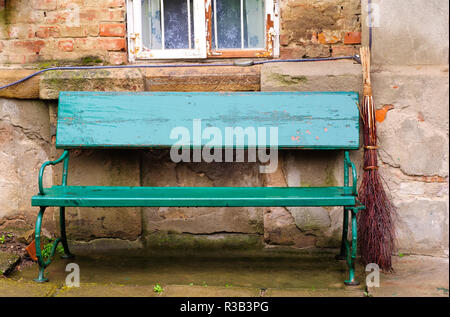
[317,120]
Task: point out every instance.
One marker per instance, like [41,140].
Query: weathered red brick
[112,44]
[327,38]
[352,38]
[22,58]
[58,17]
[341,50]
[118,58]
[73,31]
[46,31]
[92,29]
[65,45]
[88,15]
[112,29]
[19,31]
[105,3]
[307,51]
[116,3]
[44,4]
[113,15]
[284,39]
[30,46]
[292,52]
[68,4]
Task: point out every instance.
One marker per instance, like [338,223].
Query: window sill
[210,78]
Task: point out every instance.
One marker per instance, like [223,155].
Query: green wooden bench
[109,120]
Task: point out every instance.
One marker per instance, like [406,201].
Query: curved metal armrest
[63,157]
[349,163]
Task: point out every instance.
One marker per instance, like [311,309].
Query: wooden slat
[96,196]
[320,120]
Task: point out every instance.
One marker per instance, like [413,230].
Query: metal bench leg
[62,225]
[37,239]
[351,256]
[341,255]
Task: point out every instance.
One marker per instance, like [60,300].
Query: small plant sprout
[47,250]
[2,239]
[228,285]
[158,289]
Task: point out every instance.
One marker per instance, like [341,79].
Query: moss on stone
[182,241]
[330,179]
[287,80]
[5,14]
[90,60]
[333,241]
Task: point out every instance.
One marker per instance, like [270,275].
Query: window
[168,29]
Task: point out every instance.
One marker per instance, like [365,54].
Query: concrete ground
[269,273]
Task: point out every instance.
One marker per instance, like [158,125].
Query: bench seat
[106,196]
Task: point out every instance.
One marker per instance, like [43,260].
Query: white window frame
[136,50]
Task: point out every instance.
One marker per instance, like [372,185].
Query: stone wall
[320,28]
[413,136]
[410,53]
[44,32]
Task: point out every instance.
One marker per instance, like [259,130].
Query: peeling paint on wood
[146,119]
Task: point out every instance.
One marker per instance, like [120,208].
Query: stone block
[312,76]
[417,126]
[421,92]
[422,225]
[280,229]
[222,78]
[27,90]
[408,138]
[25,145]
[310,219]
[52,82]
[7,262]
[398,38]
[162,240]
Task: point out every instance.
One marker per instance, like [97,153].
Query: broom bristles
[376,232]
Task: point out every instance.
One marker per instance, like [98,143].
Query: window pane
[228,13]
[254,26]
[228,24]
[174,22]
[151,24]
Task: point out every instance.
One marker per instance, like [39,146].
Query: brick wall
[319,28]
[42,31]
[33,31]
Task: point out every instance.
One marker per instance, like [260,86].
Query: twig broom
[376,232]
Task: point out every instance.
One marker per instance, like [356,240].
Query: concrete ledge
[104,245]
[26,90]
[340,75]
[218,78]
[52,82]
[160,240]
[210,78]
